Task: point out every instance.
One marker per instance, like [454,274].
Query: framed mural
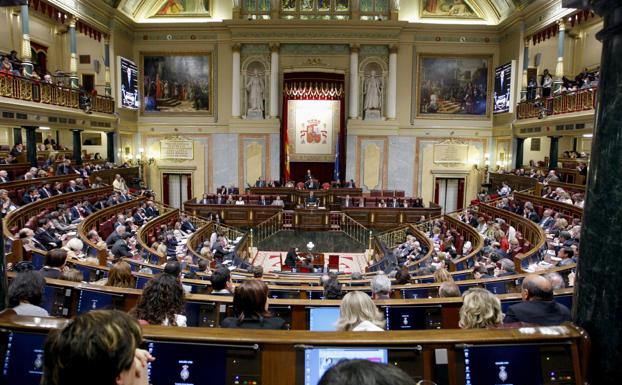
[176,83]
[453,87]
[460,9]
[185,8]
[313,127]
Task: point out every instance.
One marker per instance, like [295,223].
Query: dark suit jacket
[27,199]
[4,180]
[187,226]
[112,238]
[120,249]
[47,239]
[544,313]
[533,216]
[290,259]
[45,193]
[275,323]
[151,212]
[50,273]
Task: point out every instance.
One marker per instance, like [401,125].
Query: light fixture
[141,150]
[43,128]
[588,135]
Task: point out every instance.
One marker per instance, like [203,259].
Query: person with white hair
[467,248]
[74,248]
[4,176]
[381,287]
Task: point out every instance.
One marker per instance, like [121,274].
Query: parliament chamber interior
[310,192]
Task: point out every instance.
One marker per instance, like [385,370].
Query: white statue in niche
[255,87]
[372,92]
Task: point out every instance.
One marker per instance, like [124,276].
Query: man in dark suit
[4,176]
[31,196]
[186,225]
[49,140]
[350,184]
[65,168]
[120,248]
[72,187]
[151,210]
[547,220]
[260,182]
[54,263]
[538,306]
[311,200]
[394,203]
[45,191]
[115,235]
[263,201]
[17,150]
[45,235]
[290,258]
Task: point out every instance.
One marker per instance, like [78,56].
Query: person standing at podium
[311,200]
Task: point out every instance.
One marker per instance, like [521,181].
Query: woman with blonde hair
[480,309]
[120,275]
[359,313]
[442,275]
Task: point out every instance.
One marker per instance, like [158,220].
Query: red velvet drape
[323,171]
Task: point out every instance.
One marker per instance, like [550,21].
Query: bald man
[538,306]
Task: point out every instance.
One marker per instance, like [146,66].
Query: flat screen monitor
[323,319]
[502,96]
[186,363]
[128,75]
[56,300]
[517,365]
[319,360]
[201,314]
[95,300]
[413,317]
[23,358]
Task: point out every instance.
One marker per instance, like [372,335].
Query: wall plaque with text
[177,149]
[451,153]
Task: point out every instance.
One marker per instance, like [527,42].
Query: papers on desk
[238,239]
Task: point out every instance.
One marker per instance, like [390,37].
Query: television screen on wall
[129,84]
[503,98]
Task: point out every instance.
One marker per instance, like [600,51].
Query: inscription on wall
[177,149]
[451,153]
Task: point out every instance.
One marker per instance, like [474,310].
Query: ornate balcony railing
[564,103]
[16,87]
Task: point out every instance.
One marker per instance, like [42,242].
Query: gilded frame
[211,94]
[426,115]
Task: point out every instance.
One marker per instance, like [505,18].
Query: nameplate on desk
[451,153]
[177,149]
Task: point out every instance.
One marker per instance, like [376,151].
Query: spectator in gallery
[546,83]
[364,372]
[480,309]
[359,313]
[251,309]
[278,201]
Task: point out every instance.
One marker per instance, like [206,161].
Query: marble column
[108,89]
[110,146]
[77,146]
[392,86]
[525,81]
[235,82]
[354,82]
[274,80]
[553,152]
[17,135]
[26,53]
[598,292]
[73,49]
[559,69]
[275,9]
[31,145]
[520,144]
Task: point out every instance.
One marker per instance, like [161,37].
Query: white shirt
[30,310]
[239,203]
[367,326]
[179,319]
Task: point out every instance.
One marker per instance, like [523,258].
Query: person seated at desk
[350,184]
[311,200]
[251,310]
[230,200]
[311,184]
[262,201]
[347,202]
[260,182]
[205,200]
[240,201]
[395,204]
[278,201]
[289,184]
[382,204]
[362,202]
[308,176]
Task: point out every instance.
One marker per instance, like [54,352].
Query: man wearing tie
[4,176]
[45,191]
[31,196]
[262,201]
[186,225]
[65,168]
[311,200]
[395,204]
[72,187]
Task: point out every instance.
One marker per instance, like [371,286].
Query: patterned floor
[348,262]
